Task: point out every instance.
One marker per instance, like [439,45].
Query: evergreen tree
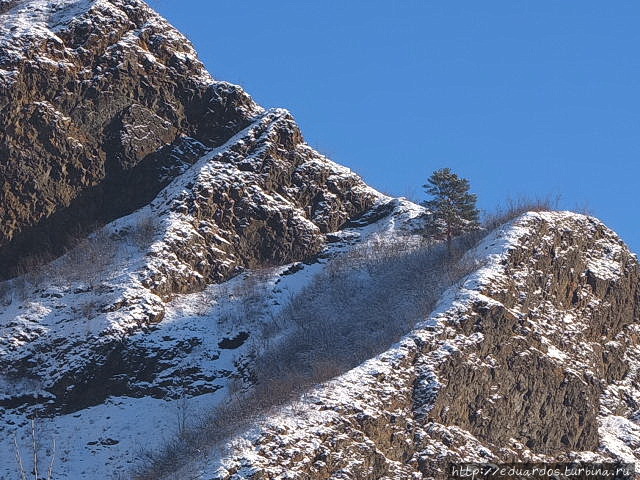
[452,209]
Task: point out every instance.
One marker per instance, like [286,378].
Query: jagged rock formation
[535,356]
[265,198]
[109,121]
[103,103]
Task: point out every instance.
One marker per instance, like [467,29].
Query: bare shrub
[39,468]
[19,288]
[367,300]
[183,414]
[90,259]
[33,269]
[6,291]
[236,414]
[516,207]
[86,310]
[144,231]
[249,295]
[85,261]
[584,208]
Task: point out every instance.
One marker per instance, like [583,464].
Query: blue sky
[524,98]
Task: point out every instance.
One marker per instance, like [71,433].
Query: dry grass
[365,301]
[514,208]
[144,232]
[6,291]
[86,262]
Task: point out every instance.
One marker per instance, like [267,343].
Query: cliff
[169,247]
[533,357]
[103,103]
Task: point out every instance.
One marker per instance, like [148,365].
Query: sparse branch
[23,474]
[35,450]
[53,457]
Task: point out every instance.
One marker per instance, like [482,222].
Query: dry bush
[33,269]
[85,261]
[584,208]
[366,300]
[514,208]
[145,231]
[19,288]
[236,414]
[87,310]
[89,260]
[6,291]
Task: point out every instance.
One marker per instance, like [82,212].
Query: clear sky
[524,98]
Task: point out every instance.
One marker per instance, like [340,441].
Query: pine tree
[452,210]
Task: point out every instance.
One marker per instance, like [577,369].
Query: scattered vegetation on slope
[363,301]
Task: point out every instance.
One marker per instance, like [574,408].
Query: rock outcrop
[265,198]
[103,103]
[534,357]
[106,110]
[109,123]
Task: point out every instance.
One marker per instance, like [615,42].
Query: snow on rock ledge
[535,356]
[104,103]
[264,198]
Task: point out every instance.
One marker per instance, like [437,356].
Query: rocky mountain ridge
[109,116]
[204,227]
[103,104]
[534,357]
[210,215]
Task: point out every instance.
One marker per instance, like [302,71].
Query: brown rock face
[94,98]
[266,198]
[106,110]
[560,301]
[531,361]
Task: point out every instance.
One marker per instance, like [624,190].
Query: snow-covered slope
[107,384]
[533,357]
[232,267]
